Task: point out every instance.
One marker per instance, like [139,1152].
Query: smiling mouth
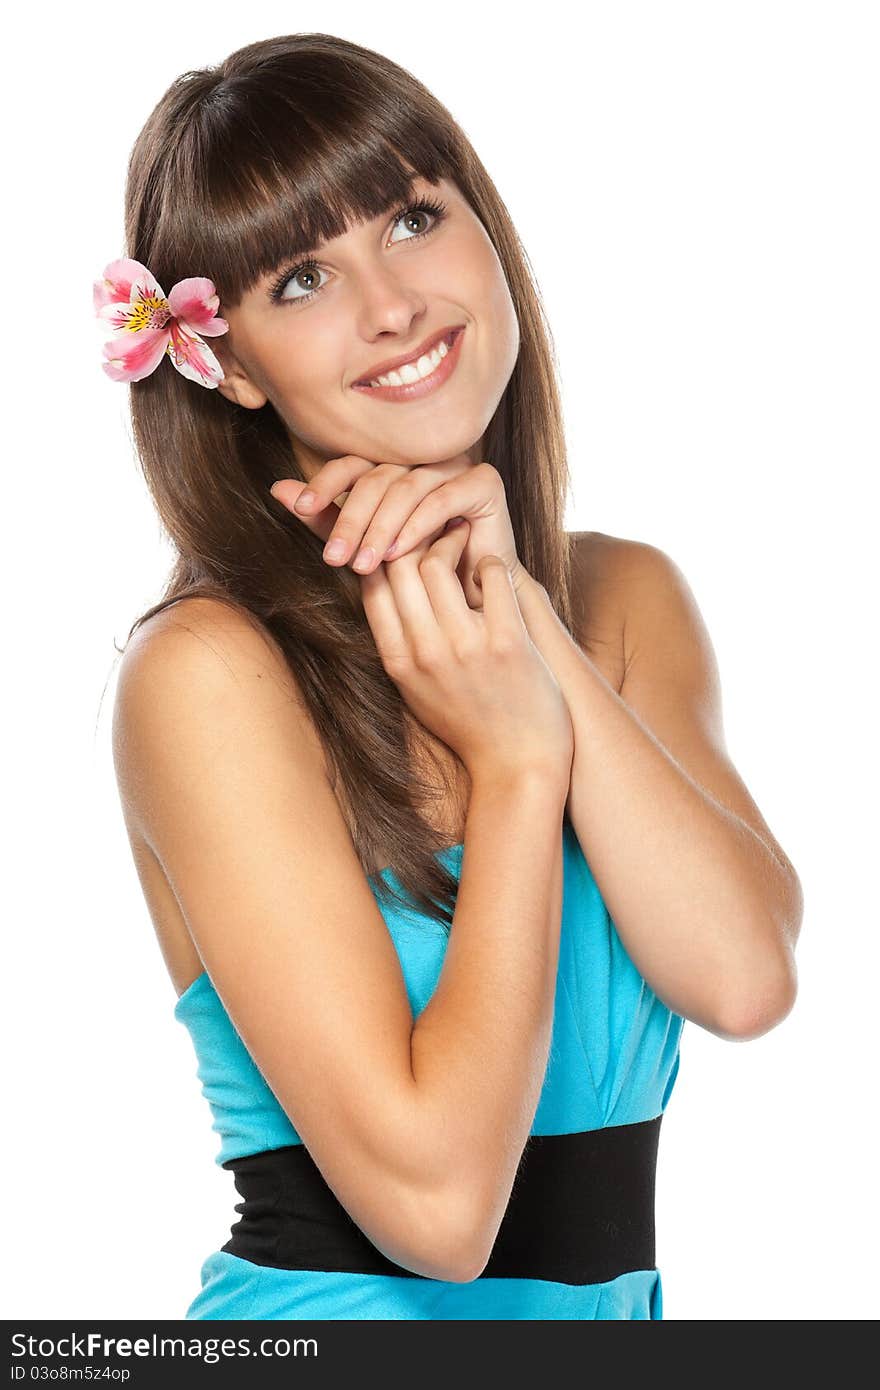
[420,376]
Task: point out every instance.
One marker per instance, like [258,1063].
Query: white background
[696,186]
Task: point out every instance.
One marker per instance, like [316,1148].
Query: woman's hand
[473,678]
[391,508]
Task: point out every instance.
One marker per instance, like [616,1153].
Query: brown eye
[303,277]
[435,212]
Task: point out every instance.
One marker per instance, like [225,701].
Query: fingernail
[334,550]
[364,557]
[390,551]
[305,501]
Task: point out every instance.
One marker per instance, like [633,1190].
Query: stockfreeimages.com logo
[93,1345]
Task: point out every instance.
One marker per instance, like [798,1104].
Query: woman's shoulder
[601,555]
[602,589]
[617,584]
[205,631]
[206,619]
[200,651]
[610,571]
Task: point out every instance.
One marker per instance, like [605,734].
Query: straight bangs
[268,170]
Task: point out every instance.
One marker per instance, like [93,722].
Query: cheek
[499,315]
[509,334]
[307,376]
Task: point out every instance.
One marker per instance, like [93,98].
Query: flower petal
[116,315]
[192,357]
[132,356]
[121,277]
[115,285]
[195,301]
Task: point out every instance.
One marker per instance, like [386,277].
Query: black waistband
[581,1211]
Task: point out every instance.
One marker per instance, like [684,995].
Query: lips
[392,363]
[423,386]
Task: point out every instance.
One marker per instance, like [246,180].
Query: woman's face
[379,292]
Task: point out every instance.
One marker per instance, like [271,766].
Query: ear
[236,385]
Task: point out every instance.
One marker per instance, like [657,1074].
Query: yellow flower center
[147,312]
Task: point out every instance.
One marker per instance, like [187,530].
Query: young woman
[442,846]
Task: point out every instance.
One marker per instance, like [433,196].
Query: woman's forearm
[480,1046]
[699,901]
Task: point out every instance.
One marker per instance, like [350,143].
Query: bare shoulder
[600,565]
[209,628]
[191,654]
[665,629]
[626,587]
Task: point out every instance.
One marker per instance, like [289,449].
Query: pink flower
[146,325]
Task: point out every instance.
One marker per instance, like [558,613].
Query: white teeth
[414,371]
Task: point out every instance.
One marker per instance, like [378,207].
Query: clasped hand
[391,508]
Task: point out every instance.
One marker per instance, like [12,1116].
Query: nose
[388,304]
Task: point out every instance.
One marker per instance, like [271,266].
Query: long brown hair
[298,137]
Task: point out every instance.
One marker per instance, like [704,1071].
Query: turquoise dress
[613,1061]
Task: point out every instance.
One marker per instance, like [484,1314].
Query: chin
[429,448]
